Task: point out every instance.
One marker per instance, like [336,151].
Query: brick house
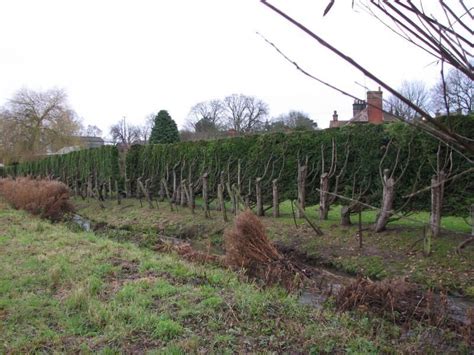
[365,111]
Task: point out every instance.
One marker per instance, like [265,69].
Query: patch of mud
[128,271]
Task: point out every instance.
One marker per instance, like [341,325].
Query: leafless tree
[145,129]
[244,113]
[37,122]
[123,133]
[454,94]
[446,37]
[206,115]
[416,92]
[92,131]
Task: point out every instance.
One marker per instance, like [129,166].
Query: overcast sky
[132,58]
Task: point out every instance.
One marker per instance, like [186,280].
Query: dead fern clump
[248,247]
[186,251]
[396,299]
[45,198]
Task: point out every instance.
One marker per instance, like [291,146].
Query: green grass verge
[393,253]
[65,291]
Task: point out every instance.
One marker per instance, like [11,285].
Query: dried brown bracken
[398,299]
[248,247]
[46,198]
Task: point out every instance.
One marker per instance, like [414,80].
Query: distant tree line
[454,94]
[239,114]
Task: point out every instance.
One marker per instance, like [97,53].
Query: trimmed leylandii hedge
[239,161]
[101,164]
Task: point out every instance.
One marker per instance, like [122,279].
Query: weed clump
[45,198]
[248,247]
[397,299]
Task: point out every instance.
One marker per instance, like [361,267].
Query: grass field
[66,291]
[393,253]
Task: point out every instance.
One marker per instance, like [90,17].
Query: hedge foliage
[102,163]
[280,152]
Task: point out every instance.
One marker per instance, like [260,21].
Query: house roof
[361,117]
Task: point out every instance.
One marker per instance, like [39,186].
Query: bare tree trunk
[276,199]
[145,192]
[175,188]
[89,186]
[191,200]
[75,188]
[233,198]
[205,195]
[258,191]
[247,197]
[238,198]
[472,219]
[161,193]
[323,196]
[301,201]
[96,182]
[128,187]
[119,198]
[220,197]
[437,192]
[138,192]
[110,187]
[167,192]
[183,193]
[387,203]
[346,216]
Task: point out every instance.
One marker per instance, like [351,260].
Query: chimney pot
[335,116]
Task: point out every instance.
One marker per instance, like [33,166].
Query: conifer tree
[164,129]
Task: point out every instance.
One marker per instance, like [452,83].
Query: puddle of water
[329,281]
[311,298]
[82,222]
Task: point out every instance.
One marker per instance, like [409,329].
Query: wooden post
[426,241]
[139,195]
[175,187]
[220,197]
[276,202]
[437,192]
[323,196]
[119,198]
[205,195]
[258,191]
[301,201]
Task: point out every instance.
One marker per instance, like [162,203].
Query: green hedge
[366,147]
[281,152]
[101,162]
